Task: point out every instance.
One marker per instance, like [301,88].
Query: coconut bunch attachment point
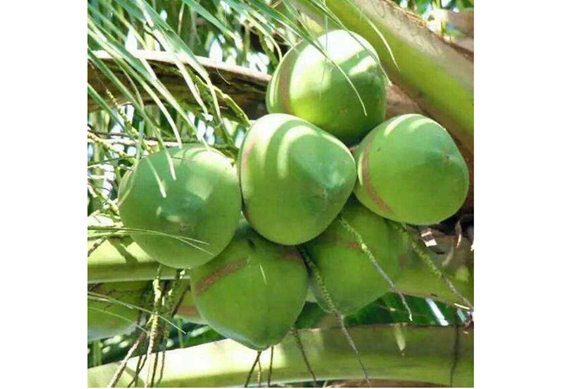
[295,178]
[350,278]
[253,291]
[411,171]
[318,88]
[114,314]
[182,205]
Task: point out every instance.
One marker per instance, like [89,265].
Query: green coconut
[309,85]
[188,205]
[349,276]
[295,178]
[410,170]
[253,291]
[113,317]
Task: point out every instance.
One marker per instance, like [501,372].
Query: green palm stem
[438,355]
[120,259]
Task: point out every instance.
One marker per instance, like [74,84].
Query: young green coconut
[253,291]
[183,207]
[410,170]
[295,178]
[343,254]
[309,85]
[114,316]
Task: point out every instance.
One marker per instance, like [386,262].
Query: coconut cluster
[239,228]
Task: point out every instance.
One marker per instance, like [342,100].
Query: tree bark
[439,355]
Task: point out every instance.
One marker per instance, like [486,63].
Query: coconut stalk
[120,259]
[245,86]
[438,355]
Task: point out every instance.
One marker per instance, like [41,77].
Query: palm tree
[165,73]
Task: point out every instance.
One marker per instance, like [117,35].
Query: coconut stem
[162,304]
[252,369]
[162,365]
[270,367]
[426,259]
[375,263]
[170,309]
[154,324]
[259,373]
[303,354]
[95,245]
[123,365]
[328,300]
[140,363]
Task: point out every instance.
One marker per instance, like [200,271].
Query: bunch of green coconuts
[297,188]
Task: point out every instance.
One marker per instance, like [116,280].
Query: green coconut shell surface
[349,276]
[410,170]
[309,85]
[110,318]
[253,291]
[295,178]
[188,205]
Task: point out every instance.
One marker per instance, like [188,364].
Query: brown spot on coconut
[188,310]
[231,267]
[366,181]
[353,246]
[403,261]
